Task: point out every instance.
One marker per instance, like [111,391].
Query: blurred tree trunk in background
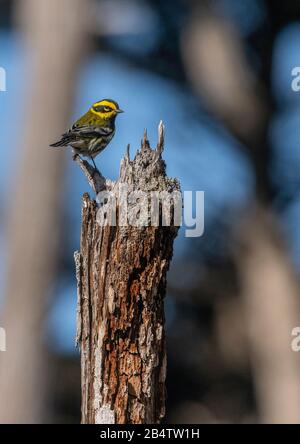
[221,75]
[270,292]
[55,33]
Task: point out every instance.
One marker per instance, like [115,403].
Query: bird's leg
[95,166]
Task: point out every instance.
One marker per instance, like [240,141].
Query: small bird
[92,132]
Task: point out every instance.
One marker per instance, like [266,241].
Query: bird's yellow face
[106,109]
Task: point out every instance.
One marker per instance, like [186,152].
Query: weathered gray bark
[121,274]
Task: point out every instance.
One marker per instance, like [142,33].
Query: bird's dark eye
[102,109]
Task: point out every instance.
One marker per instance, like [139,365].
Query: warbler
[92,132]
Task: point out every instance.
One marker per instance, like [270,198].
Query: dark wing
[78,132]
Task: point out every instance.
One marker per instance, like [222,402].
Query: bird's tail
[57,144]
[64,141]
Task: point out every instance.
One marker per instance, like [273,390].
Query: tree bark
[121,274]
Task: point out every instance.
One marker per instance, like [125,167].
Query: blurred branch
[215,62]
[217,67]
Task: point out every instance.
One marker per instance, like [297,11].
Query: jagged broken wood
[121,278]
[97,182]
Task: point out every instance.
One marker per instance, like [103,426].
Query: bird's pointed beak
[119,111]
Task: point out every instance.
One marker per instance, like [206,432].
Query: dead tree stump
[121,275]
